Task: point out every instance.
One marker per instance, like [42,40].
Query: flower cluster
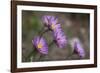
[59,37]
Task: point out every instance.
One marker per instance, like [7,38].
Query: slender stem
[51,43]
[70,55]
[33,52]
[40,57]
[41,34]
[40,30]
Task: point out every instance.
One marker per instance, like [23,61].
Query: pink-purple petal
[60,38]
[77,47]
[36,41]
[49,21]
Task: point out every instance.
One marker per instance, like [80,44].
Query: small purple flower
[60,38]
[77,47]
[40,44]
[51,22]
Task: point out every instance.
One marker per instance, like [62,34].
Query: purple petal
[49,21]
[54,20]
[77,47]
[40,41]
[80,50]
[60,38]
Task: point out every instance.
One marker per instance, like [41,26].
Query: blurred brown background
[73,24]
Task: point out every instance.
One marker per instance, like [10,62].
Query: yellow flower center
[52,26]
[39,45]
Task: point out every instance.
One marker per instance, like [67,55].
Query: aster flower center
[53,26]
[40,45]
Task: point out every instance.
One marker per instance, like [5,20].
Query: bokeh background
[73,25]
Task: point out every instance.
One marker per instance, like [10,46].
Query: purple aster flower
[40,44]
[60,38]
[51,22]
[77,47]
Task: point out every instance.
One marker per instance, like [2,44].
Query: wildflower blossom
[60,38]
[51,22]
[40,44]
[77,47]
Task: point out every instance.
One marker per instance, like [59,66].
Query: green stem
[32,53]
[41,34]
[51,43]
